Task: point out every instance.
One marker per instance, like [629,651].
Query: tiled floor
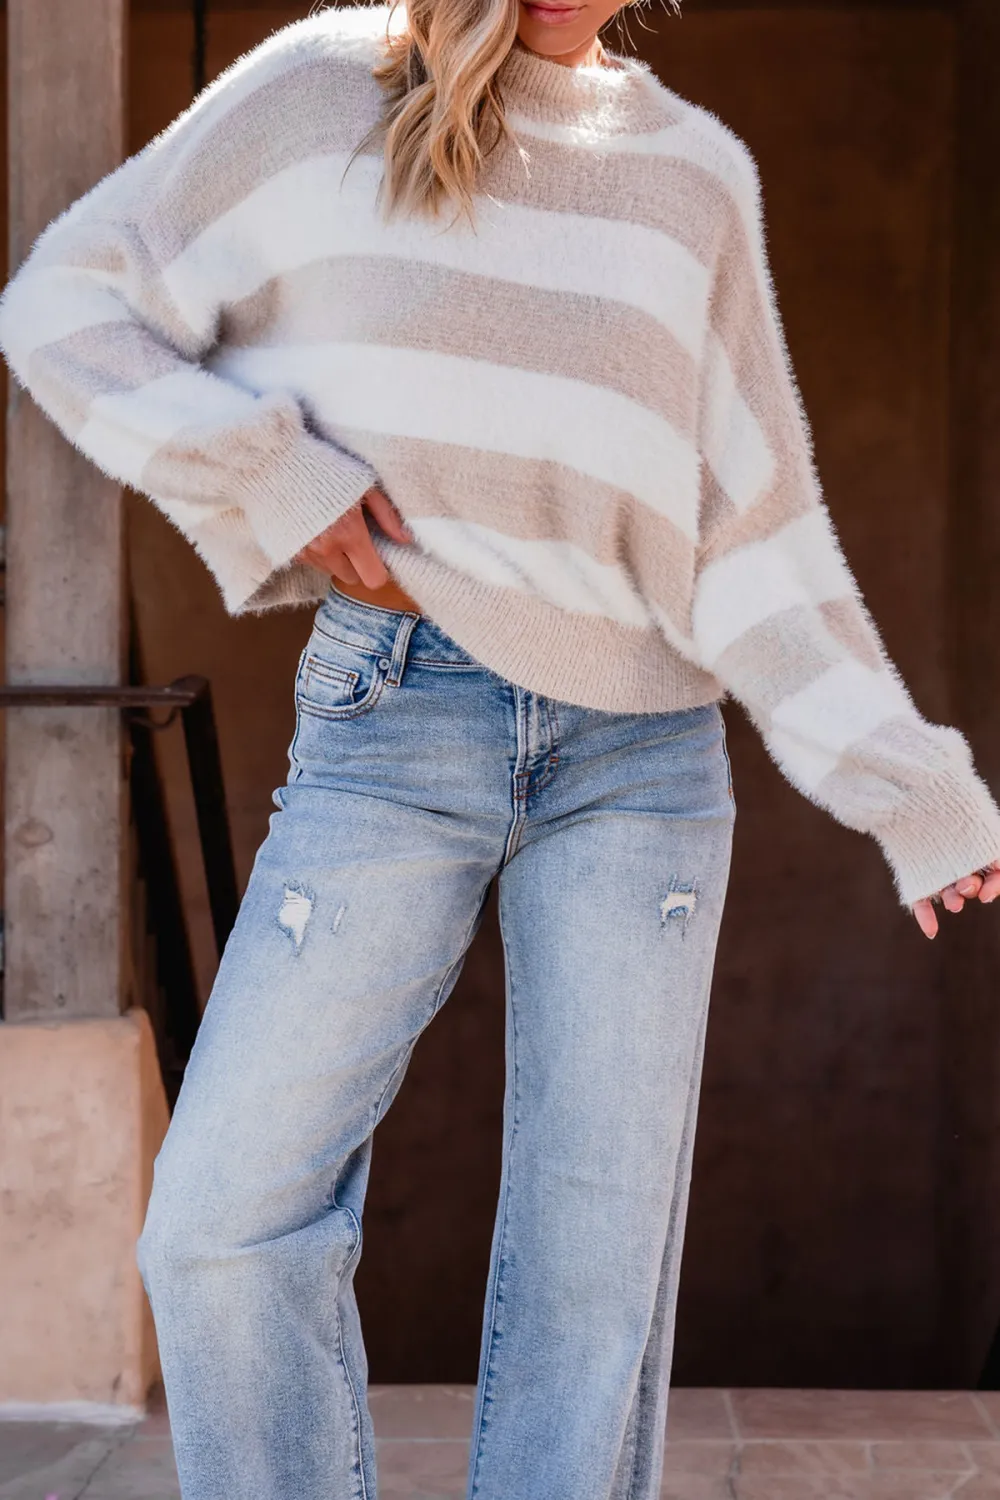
[723,1445]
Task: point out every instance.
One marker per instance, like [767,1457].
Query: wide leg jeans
[417,777]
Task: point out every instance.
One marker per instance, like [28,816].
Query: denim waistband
[400,635]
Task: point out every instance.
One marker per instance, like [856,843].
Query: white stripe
[734,445]
[123,431]
[818,557]
[53,303]
[843,705]
[305,214]
[445,398]
[796,566]
[804,764]
[559,572]
[650,143]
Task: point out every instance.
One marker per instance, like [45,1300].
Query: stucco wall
[82,1114]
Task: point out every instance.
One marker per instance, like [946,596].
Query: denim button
[384,663]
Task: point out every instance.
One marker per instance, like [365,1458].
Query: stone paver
[722,1445]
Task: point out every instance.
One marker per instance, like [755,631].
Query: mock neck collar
[618,96]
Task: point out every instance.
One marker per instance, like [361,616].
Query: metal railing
[190,699]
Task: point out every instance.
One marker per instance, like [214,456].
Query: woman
[461,272]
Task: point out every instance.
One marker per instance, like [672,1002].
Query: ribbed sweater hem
[588,660]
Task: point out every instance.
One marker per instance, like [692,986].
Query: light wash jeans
[417,775]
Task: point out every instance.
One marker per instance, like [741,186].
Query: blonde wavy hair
[444,113]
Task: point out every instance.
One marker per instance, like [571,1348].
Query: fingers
[387,516]
[346,550]
[370,568]
[341,567]
[991,885]
[326,558]
[926,918]
[951,899]
[985,886]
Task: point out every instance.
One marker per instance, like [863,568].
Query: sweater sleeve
[108,324]
[777,616]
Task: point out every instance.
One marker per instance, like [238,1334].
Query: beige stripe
[537,500]
[106,360]
[742,318]
[199,460]
[417,306]
[88,249]
[792,641]
[332,103]
[723,528]
[676,198]
[529,498]
[877,776]
[848,623]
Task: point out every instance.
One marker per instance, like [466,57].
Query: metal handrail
[191,698]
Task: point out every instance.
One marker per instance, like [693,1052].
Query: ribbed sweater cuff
[949,830]
[292,500]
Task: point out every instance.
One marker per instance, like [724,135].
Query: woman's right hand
[345,550]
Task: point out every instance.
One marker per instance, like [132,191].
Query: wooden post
[970,1031]
[64,898]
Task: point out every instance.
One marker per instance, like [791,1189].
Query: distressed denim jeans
[416,777]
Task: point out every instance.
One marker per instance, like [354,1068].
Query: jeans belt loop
[399,649]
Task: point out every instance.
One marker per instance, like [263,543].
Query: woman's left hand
[983,885]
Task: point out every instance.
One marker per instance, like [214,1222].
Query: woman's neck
[589,54]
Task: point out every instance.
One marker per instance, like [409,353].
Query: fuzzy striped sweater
[583,406]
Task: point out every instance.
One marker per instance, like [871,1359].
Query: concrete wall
[814,1251]
[82,1112]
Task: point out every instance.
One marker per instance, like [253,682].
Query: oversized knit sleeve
[108,324]
[776,613]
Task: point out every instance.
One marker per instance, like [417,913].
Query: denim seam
[640,1392]
[356,1424]
[491,1340]
[367,647]
[725,753]
[342,1352]
[293,747]
[350,711]
[445,666]
[549,769]
[327,671]
[519,780]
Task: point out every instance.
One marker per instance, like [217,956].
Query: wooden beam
[64,894]
[970,1026]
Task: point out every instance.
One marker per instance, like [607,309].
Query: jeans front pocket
[337,680]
